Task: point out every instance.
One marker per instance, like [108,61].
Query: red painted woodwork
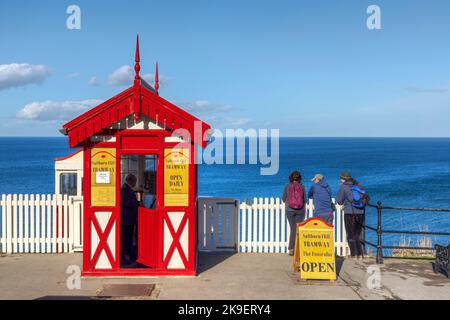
[103,235]
[176,240]
[156,78]
[140,99]
[139,142]
[134,100]
[69,156]
[148,237]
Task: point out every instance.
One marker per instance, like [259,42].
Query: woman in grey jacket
[294,215]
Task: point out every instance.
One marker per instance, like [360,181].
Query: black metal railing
[380,231]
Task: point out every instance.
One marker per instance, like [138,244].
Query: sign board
[103,177]
[314,250]
[176,177]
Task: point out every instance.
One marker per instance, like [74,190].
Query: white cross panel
[175,261]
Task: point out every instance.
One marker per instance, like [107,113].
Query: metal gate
[218,220]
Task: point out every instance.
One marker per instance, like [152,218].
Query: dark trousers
[127,249]
[294,217]
[325,216]
[353,227]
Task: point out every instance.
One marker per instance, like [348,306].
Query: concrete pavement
[238,276]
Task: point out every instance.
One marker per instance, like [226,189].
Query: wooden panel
[140,142]
[147,237]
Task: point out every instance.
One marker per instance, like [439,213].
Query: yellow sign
[314,250]
[103,177]
[176,177]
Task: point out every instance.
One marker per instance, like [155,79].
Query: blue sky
[309,68]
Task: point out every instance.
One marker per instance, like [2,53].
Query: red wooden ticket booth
[138,132]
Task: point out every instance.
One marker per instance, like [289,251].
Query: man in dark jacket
[128,219]
[320,192]
[353,217]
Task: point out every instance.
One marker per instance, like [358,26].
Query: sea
[401,172]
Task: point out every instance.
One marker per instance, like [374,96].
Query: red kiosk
[139,132]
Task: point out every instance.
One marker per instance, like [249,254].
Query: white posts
[32,224]
[254,225]
[276,226]
[243,234]
[3,219]
[77,224]
[9,216]
[40,224]
[273,226]
[53,224]
[68,212]
[26,238]
[265,227]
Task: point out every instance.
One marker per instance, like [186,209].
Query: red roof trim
[69,156]
[137,99]
[94,111]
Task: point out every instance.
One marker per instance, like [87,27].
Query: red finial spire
[137,66]
[156,78]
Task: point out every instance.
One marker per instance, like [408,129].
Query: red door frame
[190,211]
[158,151]
[89,215]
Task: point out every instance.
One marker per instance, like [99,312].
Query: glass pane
[68,184]
[143,167]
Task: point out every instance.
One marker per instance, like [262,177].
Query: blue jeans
[325,216]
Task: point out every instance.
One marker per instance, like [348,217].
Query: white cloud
[427,90]
[73,75]
[93,81]
[124,76]
[121,76]
[216,114]
[56,110]
[204,106]
[239,122]
[16,75]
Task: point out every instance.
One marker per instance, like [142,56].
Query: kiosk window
[68,184]
[144,168]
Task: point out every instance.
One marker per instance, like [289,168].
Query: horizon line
[304,137]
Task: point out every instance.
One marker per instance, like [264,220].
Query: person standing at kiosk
[128,219]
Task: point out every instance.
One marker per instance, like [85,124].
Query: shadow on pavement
[207,260]
[339,263]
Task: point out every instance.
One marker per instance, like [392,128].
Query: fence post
[379,233]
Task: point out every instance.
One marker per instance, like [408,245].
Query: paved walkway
[238,276]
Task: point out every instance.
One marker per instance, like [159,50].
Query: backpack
[360,197]
[296,199]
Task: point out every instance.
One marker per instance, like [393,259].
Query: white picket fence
[264,227]
[40,223]
[53,224]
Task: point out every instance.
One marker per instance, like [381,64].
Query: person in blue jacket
[353,216]
[320,193]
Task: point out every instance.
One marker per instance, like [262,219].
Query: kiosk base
[138,272]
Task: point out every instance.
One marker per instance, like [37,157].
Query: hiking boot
[291,252]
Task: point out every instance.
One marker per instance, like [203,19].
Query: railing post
[379,233]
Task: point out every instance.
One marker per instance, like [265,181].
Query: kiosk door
[147,237]
[148,213]
[144,168]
